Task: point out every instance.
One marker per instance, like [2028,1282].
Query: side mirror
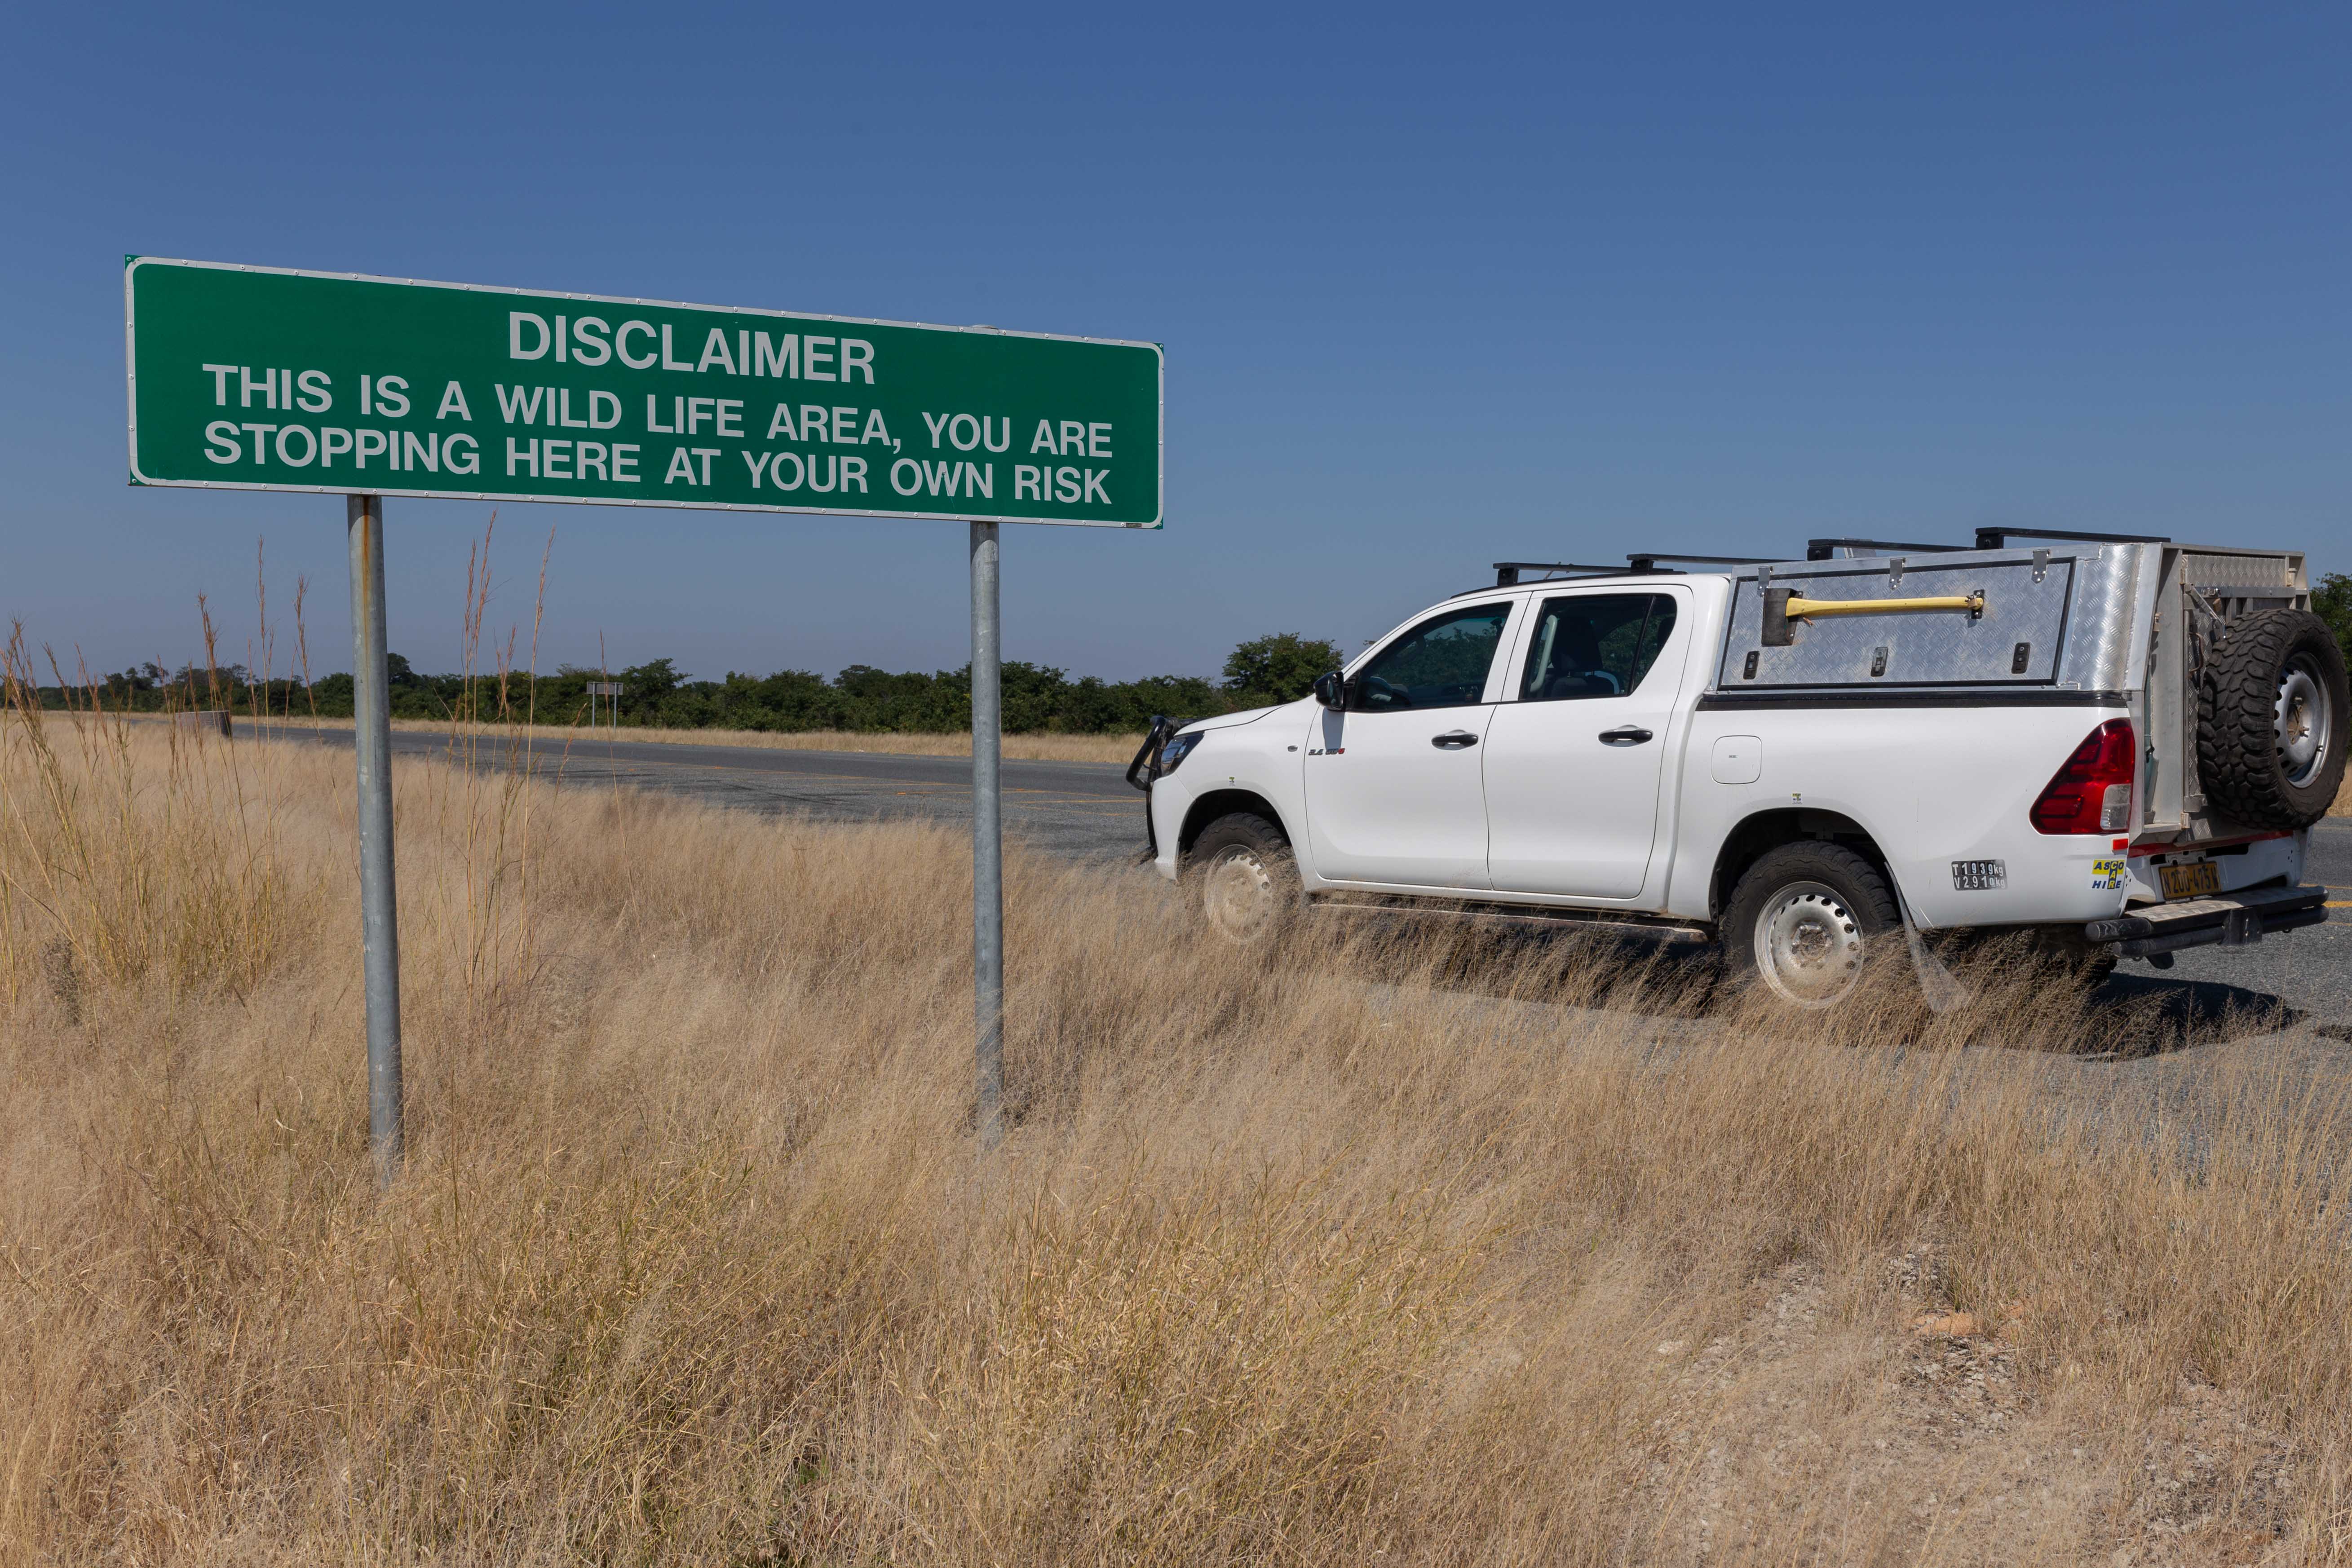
[1331,689]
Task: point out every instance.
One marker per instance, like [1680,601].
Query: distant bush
[2333,601]
[1277,668]
[1038,699]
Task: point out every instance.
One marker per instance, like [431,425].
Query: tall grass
[147,861]
[1382,1248]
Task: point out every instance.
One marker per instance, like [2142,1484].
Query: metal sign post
[610,689]
[378,906]
[987,834]
[264,378]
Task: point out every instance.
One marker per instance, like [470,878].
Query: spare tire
[2270,732]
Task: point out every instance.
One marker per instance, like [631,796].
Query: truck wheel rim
[1239,895]
[2306,725]
[1807,945]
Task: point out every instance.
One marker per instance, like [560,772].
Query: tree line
[657,694]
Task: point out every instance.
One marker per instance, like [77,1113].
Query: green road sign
[259,378]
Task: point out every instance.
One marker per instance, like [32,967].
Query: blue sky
[1437,287]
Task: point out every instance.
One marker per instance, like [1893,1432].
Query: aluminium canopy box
[2051,621]
[2110,624]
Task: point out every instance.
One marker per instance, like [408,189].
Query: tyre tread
[1241,827]
[2237,743]
[1873,895]
[1249,828]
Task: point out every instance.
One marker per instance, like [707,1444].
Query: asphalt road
[1082,810]
[2309,970]
[1085,811]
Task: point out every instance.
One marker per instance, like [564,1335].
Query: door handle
[1453,739]
[1624,735]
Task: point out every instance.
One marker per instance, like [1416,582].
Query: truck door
[1394,789]
[1573,758]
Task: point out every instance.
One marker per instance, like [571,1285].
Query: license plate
[2195,879]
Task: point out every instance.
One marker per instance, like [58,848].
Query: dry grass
[1042,748]
[2343,806]
[1374,1251]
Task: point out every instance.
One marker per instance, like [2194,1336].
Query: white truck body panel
[1384,805]
[1603,848]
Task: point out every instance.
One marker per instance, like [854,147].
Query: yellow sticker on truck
[2108,874]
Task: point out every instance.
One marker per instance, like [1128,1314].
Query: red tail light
[2092,793]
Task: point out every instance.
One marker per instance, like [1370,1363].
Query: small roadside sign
[265,378]
[611,689]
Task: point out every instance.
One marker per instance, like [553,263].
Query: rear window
[1594,645]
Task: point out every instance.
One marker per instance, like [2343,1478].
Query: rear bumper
[2231,920]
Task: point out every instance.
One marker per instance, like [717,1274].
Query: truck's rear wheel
[1242,870]
[1806,920]
[2270,738]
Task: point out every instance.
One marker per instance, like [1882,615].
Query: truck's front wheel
[1806,920]
[1241,871]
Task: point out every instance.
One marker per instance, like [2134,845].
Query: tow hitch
[2230,919]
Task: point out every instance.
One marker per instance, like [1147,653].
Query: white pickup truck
[2118,744]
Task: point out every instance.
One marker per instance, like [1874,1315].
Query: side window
[1594,645]
[1440,663]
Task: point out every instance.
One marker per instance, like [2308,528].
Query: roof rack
[1506,572]
[1645,563]
[1826,549]
[1998,538]
[1647,559]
